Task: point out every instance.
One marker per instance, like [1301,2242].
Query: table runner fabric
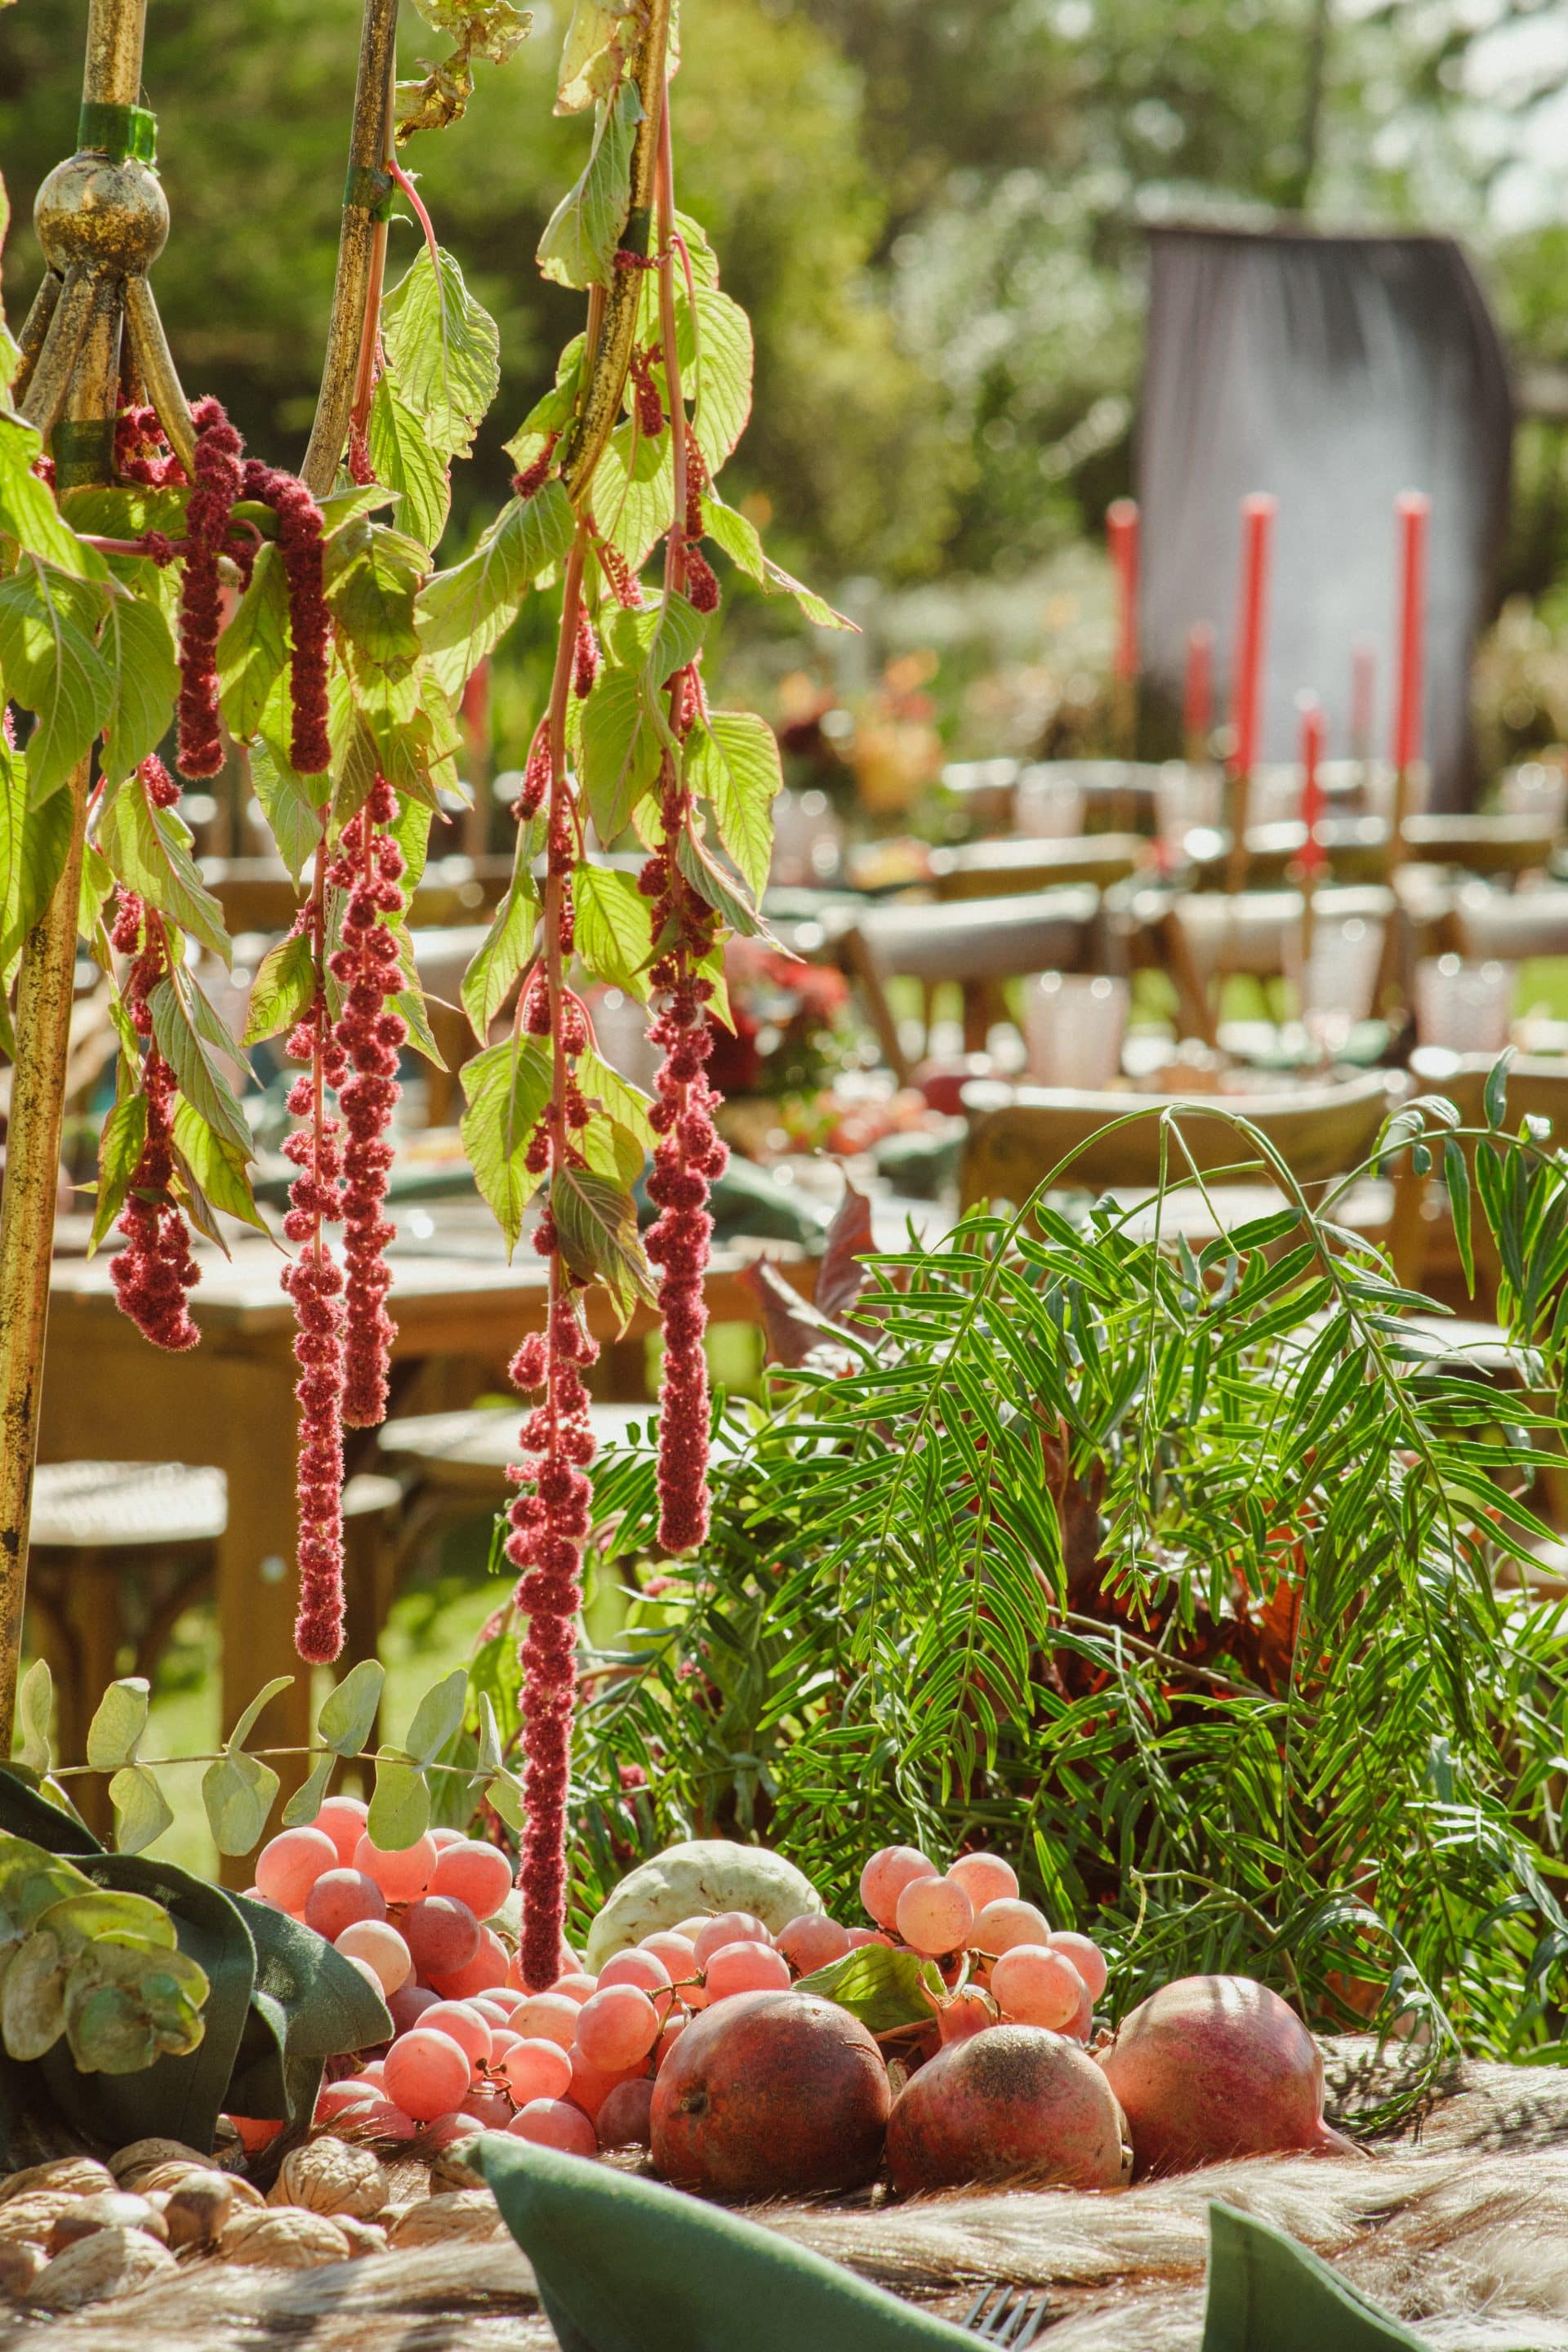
[1334,371]
[625,2265]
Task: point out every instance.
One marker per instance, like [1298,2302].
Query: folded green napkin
[624,2265]
[1268,2294]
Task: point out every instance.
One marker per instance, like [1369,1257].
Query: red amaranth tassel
[369,1034]
[309,624]
[314,1283]
[140,452]
[649,407]
[586,661]
[531,480]
[219,478]
[550,1526]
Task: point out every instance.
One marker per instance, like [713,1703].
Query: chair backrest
[1510,925]
[984,869]
[1537,1087]
[1254,930]
[1319,1131]
[1480,845]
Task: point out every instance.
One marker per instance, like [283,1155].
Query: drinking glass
[1073,1029]
[1468,1007]
[1047,807]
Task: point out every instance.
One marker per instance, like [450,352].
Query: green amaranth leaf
[726,895]
[27,511]
[284,985]
[117,1723]
[289,803]
[49,664]
[139,646]
[502,953]
[741,542]
[613,933]
[506,1088]
[578,246]
[150,851]
[254,648]
[621,752]
[718,361]
[444,350]
[404,460]
[97,882]
[463,614]
[216,1167]
[372,601]
[597,1221]
[883,1988]
[34,846]
[732,760]
[200,1081]
[591,58]
[120,1148]
[625,1103]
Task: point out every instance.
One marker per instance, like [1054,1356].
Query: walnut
[66,2176]
[453,2167]
[363,2237]
[330,2175]
[111,2261]
[20,2263]
[115,2210]
[164,2179]
[32,2218]
[197,2207]
[140,2154]
[435,2220]
[285,2236]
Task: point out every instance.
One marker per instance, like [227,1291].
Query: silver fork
[1006,2315]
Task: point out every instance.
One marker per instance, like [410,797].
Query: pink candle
[1414,510]
[1197,690]
[1364,697]
[1258,513]
[1313,855]
[1122,534]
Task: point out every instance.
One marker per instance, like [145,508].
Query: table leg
[257,1582]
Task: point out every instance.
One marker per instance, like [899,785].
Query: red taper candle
[1198,689]
[1258,513]
[1122,534]
[1314,858]
[1364,697]
[1414,510]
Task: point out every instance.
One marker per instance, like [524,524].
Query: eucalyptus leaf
[117,1723]
[141,1811]
[438,1717]
[349,1710]
[35,1716]
[306,1799]
[400,1805]
[238,1791]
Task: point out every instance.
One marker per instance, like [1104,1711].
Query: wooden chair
[1355,848]
[1507,924]
[975,943]
[987,869]
[1480,845]
[120,1549]
[1201,938]
[1014,1144]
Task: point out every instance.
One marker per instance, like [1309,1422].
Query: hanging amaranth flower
[309,624]
[314,1281]
[369,1035]
[219,476]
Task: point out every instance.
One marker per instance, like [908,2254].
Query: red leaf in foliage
[841,1278]
[792,1327]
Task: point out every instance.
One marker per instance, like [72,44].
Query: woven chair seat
[119,1505]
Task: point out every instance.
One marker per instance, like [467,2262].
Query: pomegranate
[771,2094]
[1211,2067]
[1015,2103]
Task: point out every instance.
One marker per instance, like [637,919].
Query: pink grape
[340,2098]
[747,1968]
[592,2085]
[812,1942]
[342,1819]
[934,1915]
[438,1838]
[338,1898]
[1032,1985]
[1086,1957]
[368,1973]
[616,2027]
[487,1968]
[986,1878]
[378,1943]
[546,2017]
[289,1864]
[490,2108]
[385,2120]
[256,2132]
[442,1935]
[625,2117]
[466,2028]
[644,1969]
[576,1985]
[408,2003]
[859,1937]
[537,2070]
[372,2073]
[428,2074]
[502,2038]
[553,2123]
[449,2131]
[491,2011]
[728,1928]
[669,2035]
[885,1877]
[677,1953]
[506,1998]
[402,1872]
[479,1875]
[1003,1924]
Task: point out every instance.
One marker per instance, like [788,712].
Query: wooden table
[230,1402]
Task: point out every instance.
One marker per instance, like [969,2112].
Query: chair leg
[367,1585]
[92,1607]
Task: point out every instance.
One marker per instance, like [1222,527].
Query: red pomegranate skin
[1211,2067]
[1015,2103]
[771,2094]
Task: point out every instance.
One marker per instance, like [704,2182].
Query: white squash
[703,1876]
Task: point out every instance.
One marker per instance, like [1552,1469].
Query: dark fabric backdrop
[1335,372]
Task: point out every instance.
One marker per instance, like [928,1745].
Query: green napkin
[624,2265]
[1267,2293]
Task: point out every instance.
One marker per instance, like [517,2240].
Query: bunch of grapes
[573,2068]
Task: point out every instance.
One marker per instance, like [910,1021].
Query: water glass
[1336,983]
[1536,790]
[1047,807]
[808,839]
[1186,800]
[1073,1029]
[1468,1007]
